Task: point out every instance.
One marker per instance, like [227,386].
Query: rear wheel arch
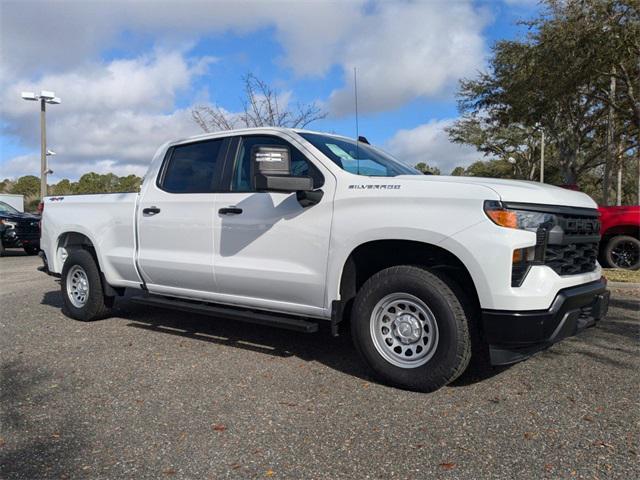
[69,242]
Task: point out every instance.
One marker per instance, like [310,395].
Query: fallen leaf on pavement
[218,427]
[600,443]
[269,473]
[447,465]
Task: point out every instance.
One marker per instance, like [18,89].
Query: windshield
[360,158]
[6,208]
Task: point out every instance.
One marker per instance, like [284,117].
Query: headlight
[537,222]
[8,224]
[520,219]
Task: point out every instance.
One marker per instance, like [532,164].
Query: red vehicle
[620,230]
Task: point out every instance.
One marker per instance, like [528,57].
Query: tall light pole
[44,98]
[542,156]
[538,125]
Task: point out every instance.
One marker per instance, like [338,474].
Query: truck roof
[239,131]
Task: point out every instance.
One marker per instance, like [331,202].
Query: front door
[176,220]
[270,252]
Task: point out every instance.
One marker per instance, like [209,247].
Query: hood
[517,190]
[15,217]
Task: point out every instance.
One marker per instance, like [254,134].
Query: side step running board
[250,316]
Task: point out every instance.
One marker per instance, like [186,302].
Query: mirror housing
[283,183]
[308,198]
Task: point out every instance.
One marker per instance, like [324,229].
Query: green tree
[575,76]
[427,169]
[28,185]
[517,144]
[63,187]
[96,183]
[130,183]
[5,185]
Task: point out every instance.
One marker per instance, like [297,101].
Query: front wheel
[82,294]
[623,251]
[411,328]
[31,250]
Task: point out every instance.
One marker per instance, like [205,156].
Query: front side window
[192,168]
[242,173]
[358,158]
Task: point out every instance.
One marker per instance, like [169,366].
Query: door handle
[233,210]
[150,211]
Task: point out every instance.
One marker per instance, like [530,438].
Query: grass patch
[620,275]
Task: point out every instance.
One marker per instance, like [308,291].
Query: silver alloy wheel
[404,330]
[77,286]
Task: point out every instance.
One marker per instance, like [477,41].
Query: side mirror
[309,198]
[272,170]
[283,183]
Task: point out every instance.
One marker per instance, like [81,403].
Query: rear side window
[193,168]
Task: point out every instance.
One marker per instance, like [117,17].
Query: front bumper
[516,335]
[10,239]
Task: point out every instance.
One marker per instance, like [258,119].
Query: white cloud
[402,50]
[430,144]
[408,50]
[113,117]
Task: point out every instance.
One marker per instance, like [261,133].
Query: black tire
[452,353]
[31,250]
[97,305]
[622,251]
[1,249]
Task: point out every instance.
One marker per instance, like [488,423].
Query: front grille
[572,244]
[28,230]
[572,258]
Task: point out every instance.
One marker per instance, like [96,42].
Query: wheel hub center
[407,328]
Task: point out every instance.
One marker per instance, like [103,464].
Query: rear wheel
[623,251]
[411,328]
[82,292]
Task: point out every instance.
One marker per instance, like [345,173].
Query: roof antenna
[355,88]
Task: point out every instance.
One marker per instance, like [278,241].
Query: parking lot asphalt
[160,394]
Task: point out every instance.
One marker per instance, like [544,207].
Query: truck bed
[107,220]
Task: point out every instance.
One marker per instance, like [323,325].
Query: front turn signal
[500,215]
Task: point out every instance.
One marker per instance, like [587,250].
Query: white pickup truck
[294,228]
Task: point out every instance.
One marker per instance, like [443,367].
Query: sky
[130,72]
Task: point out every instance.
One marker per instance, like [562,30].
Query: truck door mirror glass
[272,170]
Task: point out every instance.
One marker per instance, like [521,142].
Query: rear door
[270,252]
[175,220]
